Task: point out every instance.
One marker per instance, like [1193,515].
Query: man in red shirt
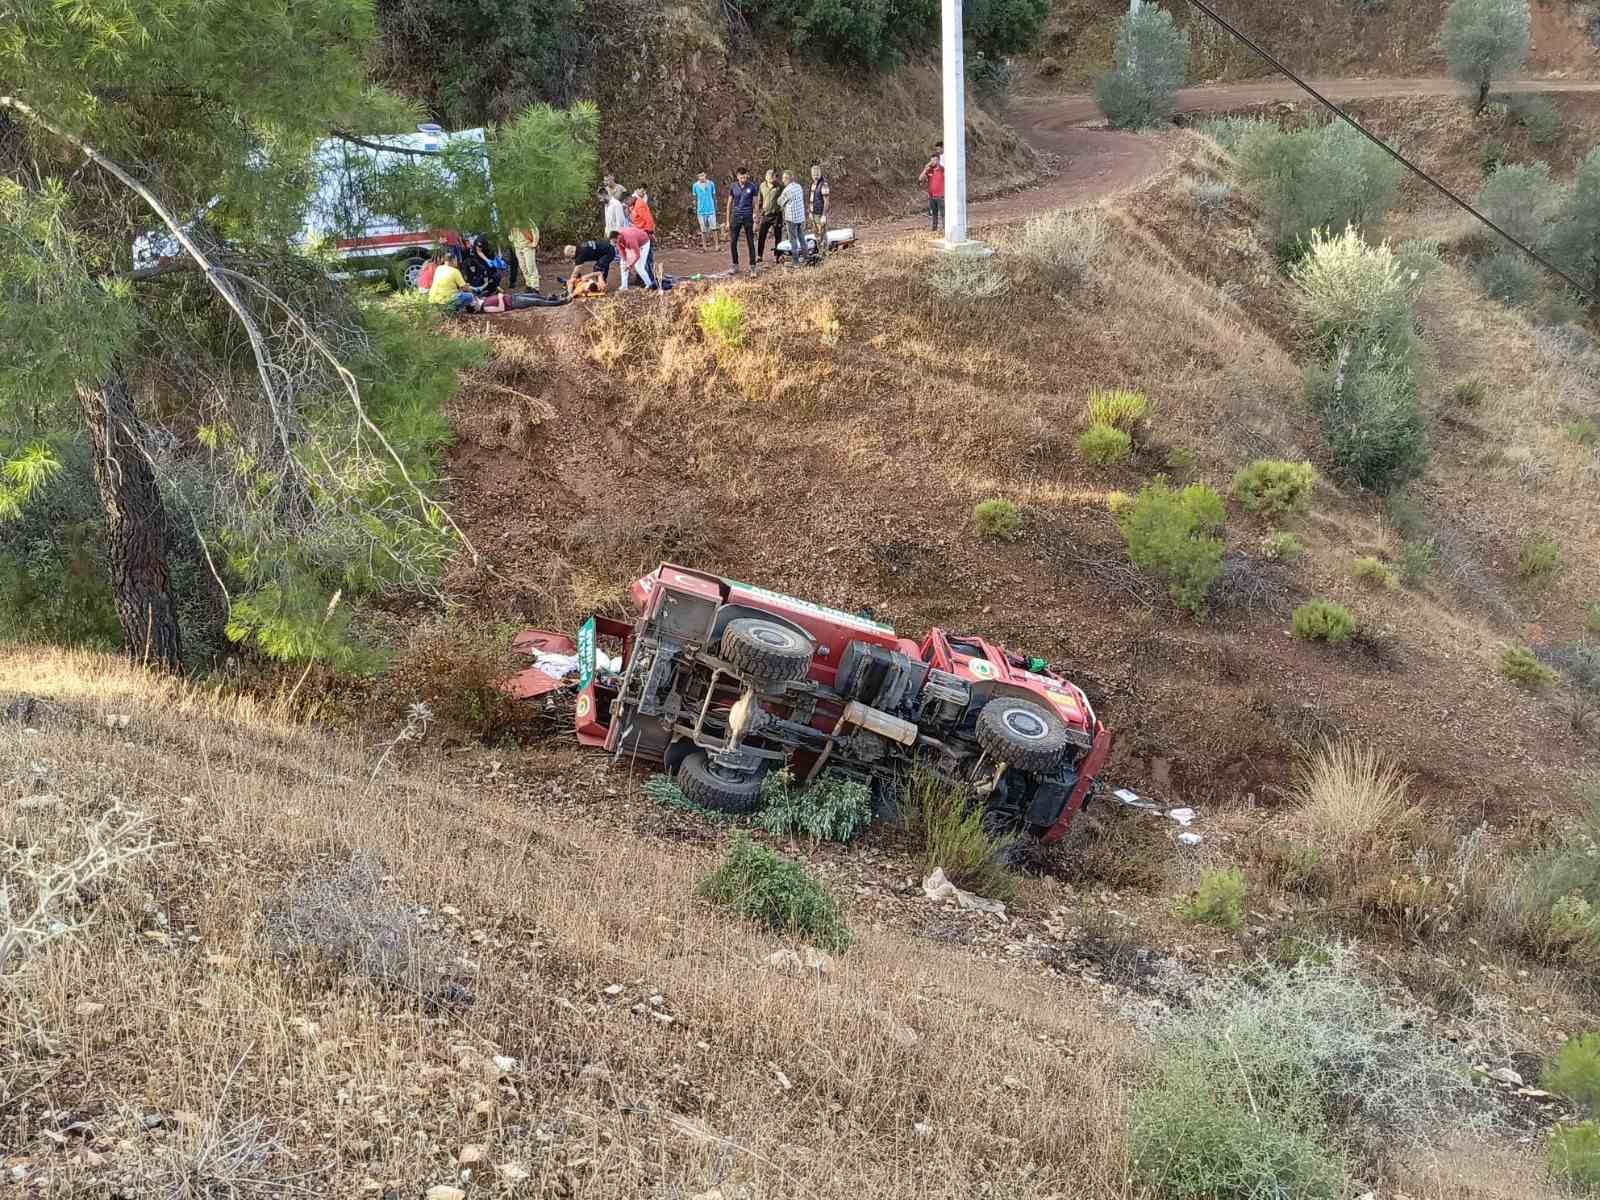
[933,176]
[633,248]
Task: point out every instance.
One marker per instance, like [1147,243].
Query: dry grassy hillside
[1321,37]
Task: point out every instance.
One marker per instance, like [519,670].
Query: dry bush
[454,669]
[1352,802]
[1058,249]
[624,543]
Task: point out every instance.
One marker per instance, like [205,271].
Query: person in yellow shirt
[525,241]
[449,288]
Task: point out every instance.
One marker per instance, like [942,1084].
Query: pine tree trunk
[1483,97]
[136,525]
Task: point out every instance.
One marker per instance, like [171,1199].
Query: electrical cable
[1389,150]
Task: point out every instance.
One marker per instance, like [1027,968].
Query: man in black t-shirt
[596,255]
[742,215]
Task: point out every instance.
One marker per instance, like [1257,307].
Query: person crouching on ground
[705,211]
[634,248]
[525,244]
[793,199]
[590,258]
[449,289]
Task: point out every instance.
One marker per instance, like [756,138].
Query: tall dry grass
[605,1036]
[1350,797]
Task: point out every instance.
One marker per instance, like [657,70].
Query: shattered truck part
[722,682]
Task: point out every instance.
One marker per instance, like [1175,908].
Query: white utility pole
[955,134]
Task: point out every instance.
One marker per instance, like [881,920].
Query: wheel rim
[778,639]
[413,273]
[1025,724]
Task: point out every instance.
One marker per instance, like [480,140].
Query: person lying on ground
[741,215]
[771,216]
[635,247]
[705,210]
[591,257]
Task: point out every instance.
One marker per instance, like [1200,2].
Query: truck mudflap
[1088,770]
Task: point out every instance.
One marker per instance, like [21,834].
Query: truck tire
[767,651]
[1022,734]
[701,782]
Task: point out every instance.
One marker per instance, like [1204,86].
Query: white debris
[938,888]
[1183,816]
[1190,839]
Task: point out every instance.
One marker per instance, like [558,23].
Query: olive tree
[1150,64]
[1484,40]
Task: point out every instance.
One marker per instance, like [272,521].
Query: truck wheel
[767,651]
[708,786]
[1022,734]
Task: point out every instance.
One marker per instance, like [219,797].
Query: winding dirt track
[1097,162]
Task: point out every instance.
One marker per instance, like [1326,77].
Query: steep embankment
[1319,37]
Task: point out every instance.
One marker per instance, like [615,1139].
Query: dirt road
[1098,162]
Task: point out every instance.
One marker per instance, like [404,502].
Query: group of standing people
[785,210]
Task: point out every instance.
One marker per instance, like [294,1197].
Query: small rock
[1506,1075]
[923,1130]
[817,961]
[505,1062]
[512,1172]
[470,1156]
[614,990]
[786,960]
[445,1191]
[88,1008]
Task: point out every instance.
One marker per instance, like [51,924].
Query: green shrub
[1150,63]
[1370,569]
[1471,391]
[665,792]
[722,320]
[1538,115]
[1538,557]
[1575,1154]
[1509,277]
[1522,666]
[1349,291]
[1520,199]
[1104,445]
[1575,1073]
[1180,460]
[1373,424]
[776,892]
[1323,177]
[1118,502]
[1584,432]
[1281,546]
[1219,900]
[1231,132]
[1118,408]
[1417,258]
[1173,534]
[1259,1073]
[833,809]
[1416,563]
[997,518]
[1274,487]
[1591,619]
[1323,621]
[1492,157]
[947,822]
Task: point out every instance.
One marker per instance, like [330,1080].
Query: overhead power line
[1405,162]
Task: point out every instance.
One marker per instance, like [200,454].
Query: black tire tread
[760,661]
[999,741]
[696,782]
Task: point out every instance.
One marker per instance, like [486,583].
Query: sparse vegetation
[1149,64]
[771,890]
[1274,487]
[997,518]
[1575,1154]
[1323,621]
[1218,900]
[1538,115]
[967,278]
[1281,546]
[1371,570]
[1591,619]
[1104,445]
[1320,178]
[1538,558]
[1416,563]
[1269,1079]
[1118,408]
[1509,277]
[1057,249]
[1520,198]
[1584,432]
[833,809]
[1180,460]
[722,319]
[947,823]
[1471,391]
[456,669]
[1522,666]
[1173,534]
